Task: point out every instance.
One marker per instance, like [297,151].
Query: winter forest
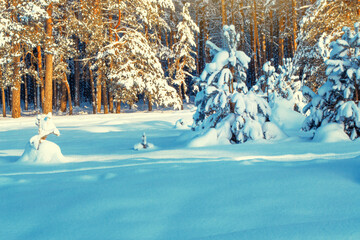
[180,119]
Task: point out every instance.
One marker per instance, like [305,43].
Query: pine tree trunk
[54,95]
[63,100]
[257,50]
[93,94]
[281,39]
[105,98]
[3,101]
[65,81]
[16,89]
[98,93]
[150,103]
[181,96]
[223,13]
[26,100]
[232,12]
[111,102]
[77,76]
[118,107]
[242,25]
[294,27]
[271,55]
[49,65]
[42,91]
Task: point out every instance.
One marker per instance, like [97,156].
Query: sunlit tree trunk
[98,93]
[16,88]
[294,26]
[223,12]
[48,64]
[105,98]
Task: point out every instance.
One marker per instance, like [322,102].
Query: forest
[59,54]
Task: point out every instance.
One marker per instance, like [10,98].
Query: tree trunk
[105,98]
[48,64]
[111,103]
[26,100]
[16,89]
[256,43]
[63,100]
[181,96]
[93,94]
[281,39]
[3,101]
[42,91]
[98,93]
[294,26]
[223,13]
[65,81]
[271,55]
[77,76]
[150,103]
[118,107]
[242,25]
[54,95]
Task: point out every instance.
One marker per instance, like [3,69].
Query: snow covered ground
[288,189]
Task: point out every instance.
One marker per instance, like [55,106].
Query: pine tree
[184,62]
[338,99]
[224,102]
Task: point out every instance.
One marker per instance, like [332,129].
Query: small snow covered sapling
[143,144]
[46,127]
[38,149]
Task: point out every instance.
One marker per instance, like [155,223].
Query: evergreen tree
[184,62]
[338,99]
[224,102]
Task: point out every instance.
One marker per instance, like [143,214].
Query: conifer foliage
[338,99]
[224,101]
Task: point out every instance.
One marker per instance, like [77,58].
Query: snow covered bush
[224,102]
[337,100]
[38,149]
[281,84]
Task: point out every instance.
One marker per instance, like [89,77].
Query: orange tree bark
[48,65]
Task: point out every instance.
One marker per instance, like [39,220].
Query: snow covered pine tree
[224,102]
[337,100]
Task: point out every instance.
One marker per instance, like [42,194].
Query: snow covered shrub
[224,102]
[38,149]
[144,144]
[280,84]
[337,100]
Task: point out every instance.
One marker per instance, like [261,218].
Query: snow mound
[140,146]
[331,132]
[211,137]
[273,132]
[48,152]
[284,115]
